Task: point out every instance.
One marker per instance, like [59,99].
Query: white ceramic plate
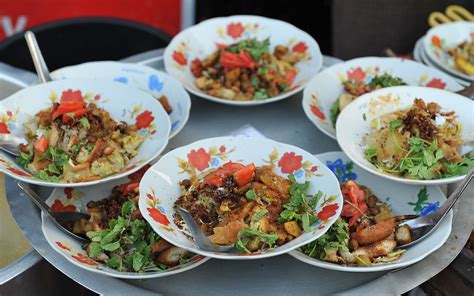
[76,200]
[427,61]
[201,40]
[154,82]
[354,122]
[123,102]
[402,199]
[324,89]
[443,37]
[160,188]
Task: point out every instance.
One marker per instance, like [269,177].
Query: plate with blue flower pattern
[401,199]
[154,82]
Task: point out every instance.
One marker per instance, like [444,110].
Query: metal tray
[283,121]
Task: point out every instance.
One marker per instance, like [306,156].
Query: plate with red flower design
[441,39]
[76,199]
[195,44]
[335,87]
[136,108]
[401,199]
[160,188]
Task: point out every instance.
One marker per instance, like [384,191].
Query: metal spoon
[9,143]
[201,239]
[421,227]
[59,218]
[37,56]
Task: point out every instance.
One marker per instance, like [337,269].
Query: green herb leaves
[337,237]
[260,94]
[126,243]
[85,122]
[299,208]
[385,80]
[334,112]
[248,234]
[394,124]
[254,47]
[251,194]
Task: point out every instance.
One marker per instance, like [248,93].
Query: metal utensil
[421,227]
[37,56]
[9,143]
[468,91]
[201,239]
[60,218]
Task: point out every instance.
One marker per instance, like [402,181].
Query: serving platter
[267,277]
[402,200]
[326,87]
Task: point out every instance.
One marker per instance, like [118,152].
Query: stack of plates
[431,48]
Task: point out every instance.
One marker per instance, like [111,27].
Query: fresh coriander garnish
[85,122]
[251,194]
[260,94]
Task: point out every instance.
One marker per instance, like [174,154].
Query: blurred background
[71,32]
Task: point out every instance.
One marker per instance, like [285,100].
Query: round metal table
[282,121]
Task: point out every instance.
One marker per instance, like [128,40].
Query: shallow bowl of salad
[261,197]
[121,243]
[243,60]
[410,134]
[81,132]
[369,204]
[329,92]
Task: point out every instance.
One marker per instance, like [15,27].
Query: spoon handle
[35,198]
[38,60]
[453,198]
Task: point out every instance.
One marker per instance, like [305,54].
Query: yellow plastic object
[13,243]
[452,13]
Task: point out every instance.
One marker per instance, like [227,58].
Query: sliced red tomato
[213,180]
[196,67]
[126,189]
[41,144]
[245,175]
[232,60]
[76,114]
[354,192]
[290,76]
[71,96]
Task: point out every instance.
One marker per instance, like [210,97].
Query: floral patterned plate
[76,199]
[201,40]
[154,82]
[160,188]
[357,119]
[402,199]
[442,38]
[324,89]
[124,103]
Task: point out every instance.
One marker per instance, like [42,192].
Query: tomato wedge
[245,175]
[356,196]
[290,76]
[213,180]
[76,114]
[71,101]
[230,60]
[41,145]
